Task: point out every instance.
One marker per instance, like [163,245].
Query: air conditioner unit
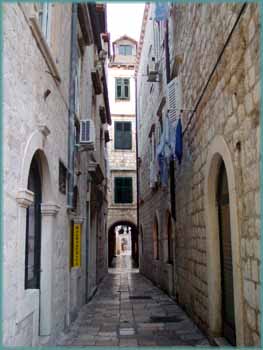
[87,133]
[152,70]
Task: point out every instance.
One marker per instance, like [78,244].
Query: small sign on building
[77,245]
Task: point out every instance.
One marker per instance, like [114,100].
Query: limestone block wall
[122,159]
[26,78]
[122,162]
[27,118]
[154,203]
[121,106]
[116,211]
[230,109]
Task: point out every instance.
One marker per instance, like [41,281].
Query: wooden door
[228,311]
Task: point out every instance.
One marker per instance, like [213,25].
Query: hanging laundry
[163,166]
[161,11]
[179,141]
[167,143]
[172,136]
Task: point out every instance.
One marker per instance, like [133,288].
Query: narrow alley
[132,149]
[128,310]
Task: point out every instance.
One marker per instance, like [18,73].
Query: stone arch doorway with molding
[36,300]
[218,163]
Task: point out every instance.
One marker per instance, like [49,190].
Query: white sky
[124,18]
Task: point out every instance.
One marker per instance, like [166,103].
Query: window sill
[123,150]
[44,48]
[122,100]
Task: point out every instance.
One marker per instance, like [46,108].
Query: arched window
[156,239]
[169,239]
[33,229]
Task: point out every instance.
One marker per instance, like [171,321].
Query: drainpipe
[137,166]
[71,116]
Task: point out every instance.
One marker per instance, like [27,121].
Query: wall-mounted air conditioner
[87,133]
[152,70]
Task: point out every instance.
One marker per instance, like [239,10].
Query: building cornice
[140,45]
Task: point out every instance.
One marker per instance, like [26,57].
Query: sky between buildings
[124,18]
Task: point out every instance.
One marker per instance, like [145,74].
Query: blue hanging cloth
[179,141]
[161,11]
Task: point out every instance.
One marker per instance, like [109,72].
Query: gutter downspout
[137,165]
[71,116]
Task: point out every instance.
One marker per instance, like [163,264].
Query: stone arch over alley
[116,234]
[132,186]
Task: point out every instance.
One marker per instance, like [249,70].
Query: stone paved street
[128,310]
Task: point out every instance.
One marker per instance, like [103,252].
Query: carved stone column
[49,212]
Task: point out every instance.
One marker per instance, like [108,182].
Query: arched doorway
[123,240]
[170,256]
[228,311]
[33,229]
[156,239]
[36,191]
[220,183]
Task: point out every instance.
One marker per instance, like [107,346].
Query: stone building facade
[55,205]
[122,148]
[213,195]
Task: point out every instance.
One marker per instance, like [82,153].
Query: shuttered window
[123,135]
[123,190]
[125,50]
[122,89]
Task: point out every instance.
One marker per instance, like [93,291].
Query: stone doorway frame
[39,302]
[217,152]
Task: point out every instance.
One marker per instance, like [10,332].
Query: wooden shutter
[174,100]
[123,137]
[126,88]
[123,190]
[118,88]
[127,137]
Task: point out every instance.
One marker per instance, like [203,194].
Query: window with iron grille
[123,190]
[123,135]
[62,181]
[122,89]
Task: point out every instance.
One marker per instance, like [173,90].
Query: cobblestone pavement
[128,310]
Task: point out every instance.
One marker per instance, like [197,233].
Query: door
[228,312]
[33,230]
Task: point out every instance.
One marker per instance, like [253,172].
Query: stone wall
[202,51]
[154,202]
[230,108]
[122,162]
[28,117]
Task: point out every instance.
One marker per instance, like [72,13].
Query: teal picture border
[2,178]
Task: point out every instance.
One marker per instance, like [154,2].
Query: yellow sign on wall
[77,245]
